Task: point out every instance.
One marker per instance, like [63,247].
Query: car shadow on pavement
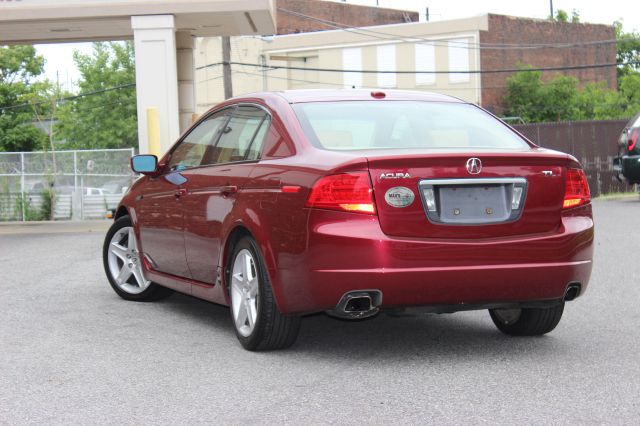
[462,335]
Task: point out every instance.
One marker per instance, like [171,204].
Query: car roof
[324,95]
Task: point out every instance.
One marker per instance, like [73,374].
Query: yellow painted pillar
[153,131]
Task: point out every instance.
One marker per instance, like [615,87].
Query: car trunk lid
[461,194]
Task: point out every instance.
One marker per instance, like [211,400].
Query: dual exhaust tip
[358,304]
[361,304]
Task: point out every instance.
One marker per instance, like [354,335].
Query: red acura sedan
[352,202]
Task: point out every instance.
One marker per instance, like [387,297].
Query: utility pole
[226,67]
[551,8]
[427,14]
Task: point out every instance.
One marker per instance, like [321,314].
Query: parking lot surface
[72,352]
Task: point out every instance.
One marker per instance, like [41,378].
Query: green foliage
[48,203]
[19,65]
[24,205]
[575,17]
[107,119]
[628,50]
[534,100]
[561,16]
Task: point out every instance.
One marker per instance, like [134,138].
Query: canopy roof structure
[162,31]
[56,21]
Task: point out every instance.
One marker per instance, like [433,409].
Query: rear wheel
[123,264]
[527,321]
[258,323]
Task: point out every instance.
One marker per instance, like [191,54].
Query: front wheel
[527,321]
[258,323]
[123,264]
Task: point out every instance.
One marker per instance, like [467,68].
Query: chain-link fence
[62,184]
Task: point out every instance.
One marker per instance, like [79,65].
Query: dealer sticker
[399,196]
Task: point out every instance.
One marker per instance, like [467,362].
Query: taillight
[577,189]
[349,192]
[633,139]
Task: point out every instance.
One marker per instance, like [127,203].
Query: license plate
[473,204]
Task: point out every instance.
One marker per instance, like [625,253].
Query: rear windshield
[402,124]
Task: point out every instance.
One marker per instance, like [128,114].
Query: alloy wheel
[125,262]
[244,292]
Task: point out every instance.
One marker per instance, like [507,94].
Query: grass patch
[616,195]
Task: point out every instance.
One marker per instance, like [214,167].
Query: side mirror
[145,164]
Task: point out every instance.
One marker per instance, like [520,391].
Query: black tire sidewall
[264,299]
[532,321]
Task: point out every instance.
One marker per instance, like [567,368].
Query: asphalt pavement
[72,352]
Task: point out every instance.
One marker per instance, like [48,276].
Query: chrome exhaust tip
[358,304]
[573,291]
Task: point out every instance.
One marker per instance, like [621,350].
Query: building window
[352,60]
[386,61]
[425,61]
[459,60]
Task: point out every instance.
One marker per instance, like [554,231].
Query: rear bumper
[354,254]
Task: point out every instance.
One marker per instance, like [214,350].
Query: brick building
[597,47]
[344,13]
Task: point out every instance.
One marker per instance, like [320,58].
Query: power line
[69,98]
[447,89]
[494,71]
[464,45]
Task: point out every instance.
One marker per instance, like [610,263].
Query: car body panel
[161,224]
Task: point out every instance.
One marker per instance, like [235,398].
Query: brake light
[633,139]
[577,189]
[349,192]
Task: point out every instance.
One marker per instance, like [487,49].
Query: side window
[242,138]
[191,150]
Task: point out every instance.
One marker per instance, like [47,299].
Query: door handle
[228,190]
[180,192]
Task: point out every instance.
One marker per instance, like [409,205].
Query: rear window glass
[402,124]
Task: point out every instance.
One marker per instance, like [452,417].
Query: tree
[19,66]
[627,51]
[105,115]
[562,16]
[531,99]
[575,17]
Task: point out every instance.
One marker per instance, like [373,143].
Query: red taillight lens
[633,139]
[577,189]
[349,192]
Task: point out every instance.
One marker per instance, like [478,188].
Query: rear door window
[242,137]
[191,151]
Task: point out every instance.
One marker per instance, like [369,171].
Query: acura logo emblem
[474,166]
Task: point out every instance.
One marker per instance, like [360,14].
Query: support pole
[153,131]
[22,172]
[226,67]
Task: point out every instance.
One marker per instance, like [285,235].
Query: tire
[123,265]
[258,323]
[527,321]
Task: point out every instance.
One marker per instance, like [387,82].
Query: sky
[59,65]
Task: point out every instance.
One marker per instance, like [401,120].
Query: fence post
[75,170]
[24,218]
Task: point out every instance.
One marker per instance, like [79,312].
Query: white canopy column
[156,77]
[186,71]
